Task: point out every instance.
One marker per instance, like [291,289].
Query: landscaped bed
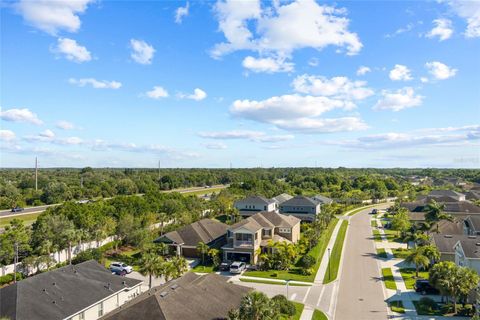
[376,235]
[428,307]
[388,279]
[319,315]
[295,272]
[408,275]
[396,306]
[298,312]
[336,255]
[381,253]
[401,253]
[200,268]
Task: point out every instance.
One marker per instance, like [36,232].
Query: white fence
[59,256]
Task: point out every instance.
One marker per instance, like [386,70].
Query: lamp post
[328,265]
[286,283]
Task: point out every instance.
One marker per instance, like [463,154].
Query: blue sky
[206,84]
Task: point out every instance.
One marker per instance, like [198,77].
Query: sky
[240,83]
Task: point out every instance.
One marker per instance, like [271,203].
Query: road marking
[293,296]
[306,295]
[321,295]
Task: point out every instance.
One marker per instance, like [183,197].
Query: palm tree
[431,252]
[151,265]
[180,266]
[434,212]
[162,217]
[214,254]
[418,258]
[257,306]
[202,248]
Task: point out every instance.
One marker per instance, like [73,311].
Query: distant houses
[75,292]
[251,205]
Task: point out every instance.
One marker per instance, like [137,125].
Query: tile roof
[60,293]
[205,230]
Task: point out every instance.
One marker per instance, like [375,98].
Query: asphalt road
[360,292]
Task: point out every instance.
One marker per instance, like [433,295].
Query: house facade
[254,204]
[467,254]
[248,237]
[301,207]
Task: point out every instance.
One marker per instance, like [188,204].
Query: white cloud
[470,11]
[142,52]
[65,125]
[407,28]
[197,95]
[398,100]
[157,92]
[424,79]
[362,70]
[47,134]
[257,136]
[281,29]
[400,73]
[215,145]
[97,84]
[181,12]
[338,87]
[321,125]
[53,16]
[72,50]
[443,29]
[268,65]
[313,62]
[440,71]
[68,141]
[20,115]
[7,135]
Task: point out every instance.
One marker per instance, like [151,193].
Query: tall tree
[418,258]
[151,265]
[202,249]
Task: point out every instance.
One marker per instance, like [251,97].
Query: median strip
[336,254]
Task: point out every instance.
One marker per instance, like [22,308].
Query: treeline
[17,186]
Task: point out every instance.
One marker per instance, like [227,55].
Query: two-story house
[304,208]
[467,253]
[471,225]
[253,204]
[246,237]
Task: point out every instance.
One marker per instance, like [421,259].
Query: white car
[237,267]
[120,267]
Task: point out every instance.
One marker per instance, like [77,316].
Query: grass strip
[336,254]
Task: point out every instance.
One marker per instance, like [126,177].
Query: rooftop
[205,230]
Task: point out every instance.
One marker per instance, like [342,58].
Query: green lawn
[319,315]
[295,272]
[373,223]
[388,279]
[437,309]
[203,269]
[392,235]
[396,306]
[27,219]
[381,253]
[376,235]
[336,254]
[401,253]
[408,275]
[298,312]
[273,282]
[130,257]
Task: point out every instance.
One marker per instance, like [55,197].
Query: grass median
[388,279]
[336,254]
[319,315]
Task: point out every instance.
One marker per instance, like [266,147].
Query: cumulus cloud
[157,93]
[322,125]
[443,29]
[257,136]
[338,87]
[65,125]
[181,12]
[215,145]
[68,141]
[400,73]
[97,84]
[398,100]
[7,135]
[53,16]
[282,28]
[72,51]
[362,70]
[470,11]
[142,52]
[267,65]
[47,134]
[20,115]
[197,95]
[440,71]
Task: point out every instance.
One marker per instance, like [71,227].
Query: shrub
[428,304]
[286,307]
[8,278]
[86,255]
[108,246]
[275,274]
[307,261]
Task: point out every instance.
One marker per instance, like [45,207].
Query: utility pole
[36,174]
[15,261]
[328,265]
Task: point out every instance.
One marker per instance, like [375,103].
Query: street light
[328,265]
[286,283]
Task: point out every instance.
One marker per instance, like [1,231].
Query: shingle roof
[322,199]
[280,220]
[471,248]
[248,223]
[461,207]
[300,201]
[446,243]
[276,238]
[473,195]
[282,198]
[416,216]
[205,230]
[449,227]
[474,222]
[192,296]
[60,293]
[445,193]
[256,200]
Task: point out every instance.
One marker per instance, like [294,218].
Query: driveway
[138,276]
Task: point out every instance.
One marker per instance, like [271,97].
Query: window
[100,309]
[229,233]
[266,232]
[81,316]
[284,230]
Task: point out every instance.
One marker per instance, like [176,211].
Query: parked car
[17,209]
[120,268]
[237,267]
[224,266]
[424,287]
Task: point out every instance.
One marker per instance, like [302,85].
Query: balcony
[243,244]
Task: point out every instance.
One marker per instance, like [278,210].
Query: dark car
[424,287]
[224,266]
[17,209]
[374,211]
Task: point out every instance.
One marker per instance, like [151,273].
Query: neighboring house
[445,244]
[301,207]
[472,225]
[447,193]
[473,195]
[246,237]
[467,253]
[253,204]
[416,217]
[199,297]
[185,240]
[75,292]
[281,199]
[449,227]
[322,199]
[458,209]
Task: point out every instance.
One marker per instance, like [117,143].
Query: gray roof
[473,195]
[266,219]
[471,248]
[280,220]
[281,198]
[205,230]
[446,243]
[60,293]
[445,193]
[248,223]
[417,216]
[256,200]
[300,201]
[456,207]
[192,296]
[449,227]
[474,222]
[322,199]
